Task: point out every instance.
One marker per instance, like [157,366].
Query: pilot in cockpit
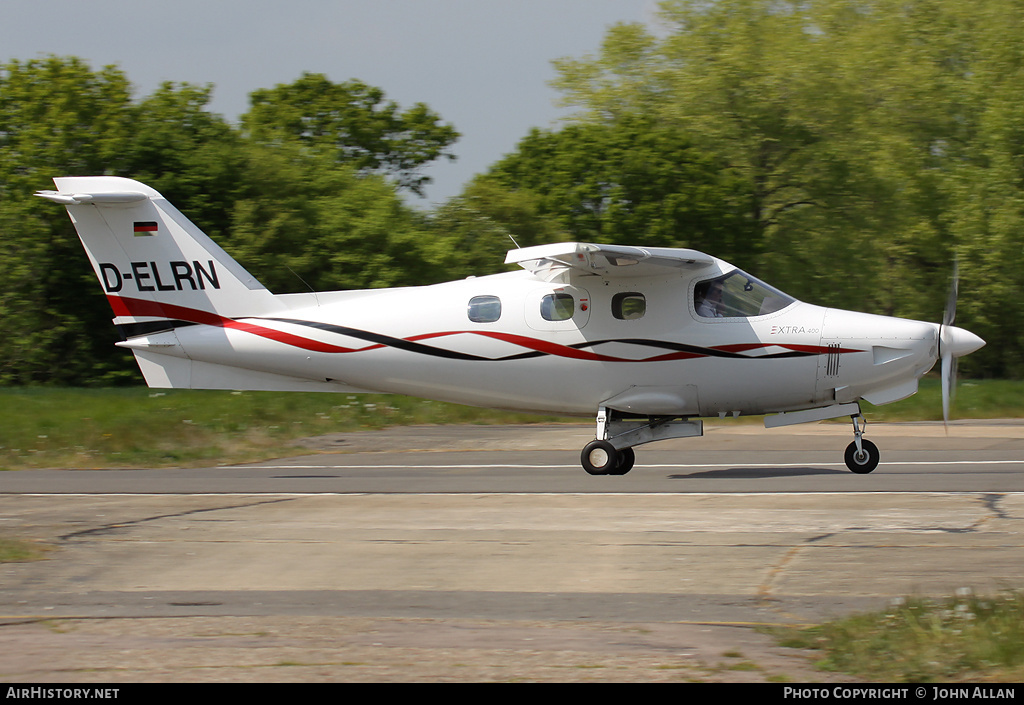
[710,305]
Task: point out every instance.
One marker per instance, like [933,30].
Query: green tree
[191,156]
[303,221]
[713,80]
[985,184]
[57,117]
[629,180]
[352,122]
[471,233]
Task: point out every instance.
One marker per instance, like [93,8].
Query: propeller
[953,343]
[949,363]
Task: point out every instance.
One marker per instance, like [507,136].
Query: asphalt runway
[486,553]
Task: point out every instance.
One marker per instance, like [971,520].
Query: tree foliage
[302,221]
[56,116]
[629,180]
[352,122]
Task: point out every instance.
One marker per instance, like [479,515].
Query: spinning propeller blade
[953,343]
[949,363]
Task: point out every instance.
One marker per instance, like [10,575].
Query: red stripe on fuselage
[124,306]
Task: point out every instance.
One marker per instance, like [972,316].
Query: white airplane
[649,339]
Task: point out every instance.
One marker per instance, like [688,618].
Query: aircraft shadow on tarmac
[741,473]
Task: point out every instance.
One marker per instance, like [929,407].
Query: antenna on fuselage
[311,289]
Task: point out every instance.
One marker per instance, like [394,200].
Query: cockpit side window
[737,295]
[557,307]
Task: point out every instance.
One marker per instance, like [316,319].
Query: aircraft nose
[959,342]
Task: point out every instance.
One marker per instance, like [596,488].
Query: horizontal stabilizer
[75,199]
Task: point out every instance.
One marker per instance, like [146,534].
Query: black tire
[625,463]
[865,462]
[599,457]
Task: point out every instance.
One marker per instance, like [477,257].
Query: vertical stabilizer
[151,260]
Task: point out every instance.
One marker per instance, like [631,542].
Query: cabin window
[737,295]
[629,306]
[557,307]
[484,309]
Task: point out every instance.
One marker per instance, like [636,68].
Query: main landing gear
[611,453]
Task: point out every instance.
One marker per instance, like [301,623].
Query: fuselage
[515,341]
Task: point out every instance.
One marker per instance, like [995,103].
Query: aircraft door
[558,308]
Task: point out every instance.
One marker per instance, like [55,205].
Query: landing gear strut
[862,455]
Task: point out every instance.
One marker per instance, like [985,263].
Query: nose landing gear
[862,455]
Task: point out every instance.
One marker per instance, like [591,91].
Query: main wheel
[625,463]
[599,458]
[864,462]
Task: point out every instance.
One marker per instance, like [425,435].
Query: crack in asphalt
[991,500]
[97,530]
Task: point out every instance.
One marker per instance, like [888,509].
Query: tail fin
[152,262]
[162,275]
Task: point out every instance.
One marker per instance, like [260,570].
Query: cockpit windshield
[737,295]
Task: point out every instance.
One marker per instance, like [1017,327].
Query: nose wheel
[864,460]
[862,455]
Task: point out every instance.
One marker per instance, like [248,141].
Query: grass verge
[131,427]
[960,639]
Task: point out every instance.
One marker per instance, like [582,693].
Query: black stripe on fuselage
[380,339]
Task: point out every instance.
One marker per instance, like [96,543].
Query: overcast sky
[483,65]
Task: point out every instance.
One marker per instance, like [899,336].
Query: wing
[548,261]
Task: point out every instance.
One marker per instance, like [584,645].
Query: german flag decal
[145,227]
